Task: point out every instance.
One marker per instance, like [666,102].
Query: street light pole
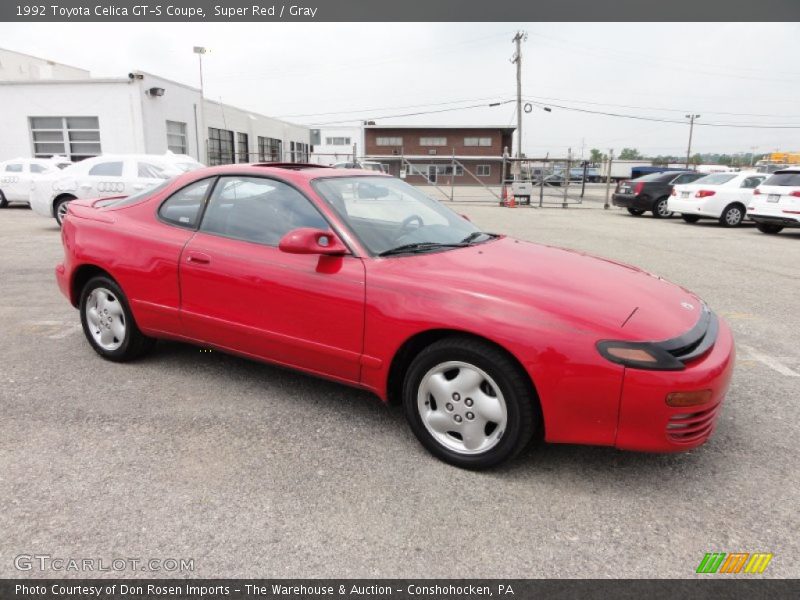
[691,130]
[520,37]
[200,50]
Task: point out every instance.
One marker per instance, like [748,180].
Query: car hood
[584,291]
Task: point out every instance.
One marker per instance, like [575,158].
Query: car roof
[294,171]
[787,170]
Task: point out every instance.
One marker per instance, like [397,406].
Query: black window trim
[343,238]
[203,203]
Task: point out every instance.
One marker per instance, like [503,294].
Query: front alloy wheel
[469,403]
[60,210]
[661,209]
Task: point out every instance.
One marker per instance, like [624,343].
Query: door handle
[198,258]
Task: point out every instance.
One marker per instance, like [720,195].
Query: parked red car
[358,277]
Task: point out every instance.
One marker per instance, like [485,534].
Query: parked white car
[17,177]
[721,196]
[775,204]
[105,176]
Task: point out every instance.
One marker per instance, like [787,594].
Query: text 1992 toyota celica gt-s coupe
[487,341]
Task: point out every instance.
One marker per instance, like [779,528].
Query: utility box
[522,190]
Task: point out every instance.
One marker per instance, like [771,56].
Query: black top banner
[33,11]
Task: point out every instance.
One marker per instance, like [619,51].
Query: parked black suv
[651,192]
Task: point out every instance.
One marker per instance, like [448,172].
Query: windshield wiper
[418,247]
[475,235]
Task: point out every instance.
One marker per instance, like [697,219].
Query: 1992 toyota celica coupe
[354,276]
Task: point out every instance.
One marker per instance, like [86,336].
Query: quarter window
[752,182]
[38,168]
[107,169]
[258,210]
[183,207]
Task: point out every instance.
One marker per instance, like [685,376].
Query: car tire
[636,212]
[3,200]
[771,228]
[732,216]
[661,208]
[472,433]
[108,322]
[60,208]
[690,218]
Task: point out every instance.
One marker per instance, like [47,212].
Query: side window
[683,179]
[752,182]
[38,168]
[14,168]
[150,171]
[258,210]
[183,207]
[107,169]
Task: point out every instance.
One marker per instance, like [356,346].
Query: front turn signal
[692,398]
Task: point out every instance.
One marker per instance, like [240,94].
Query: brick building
[440,154]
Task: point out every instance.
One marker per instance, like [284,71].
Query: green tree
[596,156]
[630,154]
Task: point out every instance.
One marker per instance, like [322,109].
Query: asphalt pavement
[255,471]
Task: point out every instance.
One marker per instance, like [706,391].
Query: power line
[658,120]
[426,112]
[362,110]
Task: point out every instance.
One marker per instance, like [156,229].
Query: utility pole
[691,129]
[753,154]
[200,50]
[520,37]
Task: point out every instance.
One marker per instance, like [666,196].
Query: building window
[433,141]
[243,147]
[74,137]
[176,137]
[388,141]
[270,149]
[299,152]
[478,141]
[337,141]
[483,170]
[220,147]
[440,170]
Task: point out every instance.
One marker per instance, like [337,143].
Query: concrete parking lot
[259,472]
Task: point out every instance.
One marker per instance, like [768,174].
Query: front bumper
[640,202]
[646,423]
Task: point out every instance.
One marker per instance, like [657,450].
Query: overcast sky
[376,70]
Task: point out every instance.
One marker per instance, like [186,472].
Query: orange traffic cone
[512,202]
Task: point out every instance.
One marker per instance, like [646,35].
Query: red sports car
[358,277]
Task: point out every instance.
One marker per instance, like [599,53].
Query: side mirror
[307,240]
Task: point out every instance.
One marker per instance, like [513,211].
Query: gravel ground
[255,471]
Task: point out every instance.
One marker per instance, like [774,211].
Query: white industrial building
[66,112]
[336,143]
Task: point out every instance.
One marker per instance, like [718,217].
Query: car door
[241,292]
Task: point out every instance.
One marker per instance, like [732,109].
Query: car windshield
[787,178]
[657,177]
[386,214]
[715,179]
[133,199]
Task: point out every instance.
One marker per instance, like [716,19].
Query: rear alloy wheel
[661,209]
[469,403]
[732,216]
[690,218]
[636,212]
[769,228]
[108,322]
[60,209]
